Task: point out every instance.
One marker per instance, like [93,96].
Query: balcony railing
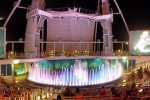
[62,49]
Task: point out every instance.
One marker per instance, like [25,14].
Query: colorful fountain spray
[78,74]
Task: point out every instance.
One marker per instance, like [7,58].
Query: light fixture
[52,51]
[1,18]
[11,52]
[124,80]
[124,58]
[16,61]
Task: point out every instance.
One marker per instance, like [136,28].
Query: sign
[2,42]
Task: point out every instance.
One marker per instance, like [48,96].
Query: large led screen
[140,42]
[2,45]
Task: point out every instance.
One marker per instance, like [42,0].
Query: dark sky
[136,13]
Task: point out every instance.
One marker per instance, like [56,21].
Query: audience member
[68,92]
[78,95]
[59,97]
[7,90]
[102,91]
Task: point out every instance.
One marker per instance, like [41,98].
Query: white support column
[13,76]
[12,47]
[25,69]
[107,37]
[34,23]
[127,65]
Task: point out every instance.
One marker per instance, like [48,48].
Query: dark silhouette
[59,97]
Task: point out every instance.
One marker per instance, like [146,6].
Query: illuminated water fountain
[77,73]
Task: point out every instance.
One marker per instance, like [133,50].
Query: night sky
[136,13]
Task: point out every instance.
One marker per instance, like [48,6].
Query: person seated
[59,97]
[102,91]
[7,90]
[113,90]
[89,92]
[135,89]
[145,91]
[134,93]
[78,95]
[19,91]
[67,92]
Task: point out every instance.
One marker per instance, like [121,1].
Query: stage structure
[68,26]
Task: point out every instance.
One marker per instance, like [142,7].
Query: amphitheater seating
[26,95]
[19,98]
[5,98]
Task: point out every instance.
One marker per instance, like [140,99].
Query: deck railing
[66,49]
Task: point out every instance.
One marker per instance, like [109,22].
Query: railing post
[122,46]
[88,48]
[63,48]
[80,48]
[13,48]
[54,48]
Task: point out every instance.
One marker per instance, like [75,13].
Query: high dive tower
[75,30]
[107,30]
[34,25]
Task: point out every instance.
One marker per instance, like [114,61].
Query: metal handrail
[80,10]
[56,54]
[82,48]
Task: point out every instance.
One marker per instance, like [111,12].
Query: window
[3,70]
[6,70]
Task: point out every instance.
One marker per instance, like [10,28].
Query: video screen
[2,43]
[19,68]
[140,42]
